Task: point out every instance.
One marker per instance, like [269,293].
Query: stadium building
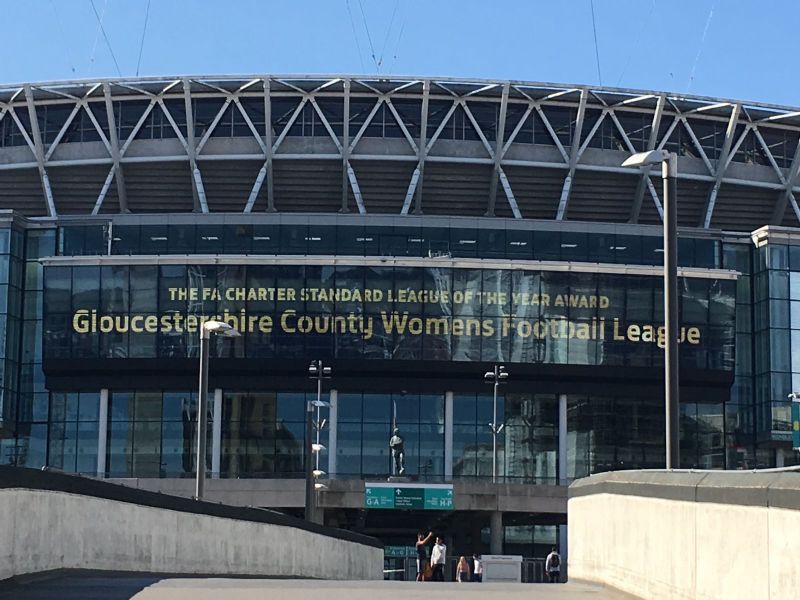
[412,234]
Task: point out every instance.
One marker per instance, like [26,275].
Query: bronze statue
[398,453]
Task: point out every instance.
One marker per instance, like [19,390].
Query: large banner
[405,313]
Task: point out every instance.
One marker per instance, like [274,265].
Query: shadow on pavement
[78,587]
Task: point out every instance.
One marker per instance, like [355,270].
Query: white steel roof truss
[213,125]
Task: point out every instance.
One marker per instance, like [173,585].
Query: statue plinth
[398,479]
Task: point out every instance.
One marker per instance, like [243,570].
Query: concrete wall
[681,535]
[42,530]
[349,493]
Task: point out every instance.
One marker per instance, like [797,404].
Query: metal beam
[122,194]
[498,150]
[641,185]
[418,178]
[345,147]
[270,145]
[198,191]
[563,203]
[785,195]
[38,148]
[722,165]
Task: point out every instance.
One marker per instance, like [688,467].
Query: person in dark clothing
[553,566]
[422,554]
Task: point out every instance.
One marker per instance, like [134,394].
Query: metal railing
[405,569]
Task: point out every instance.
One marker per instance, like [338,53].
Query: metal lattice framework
[567,151]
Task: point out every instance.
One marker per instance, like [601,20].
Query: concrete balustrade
[52,521]
[686,534]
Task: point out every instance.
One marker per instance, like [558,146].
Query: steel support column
[496,531]
[448,436]
[423,147]
[333,432]
[644,178]
[792,178]
[102,433]
[198,193]
[38,149]
[202,416]
[498,151]
[563,203]
[562,439]
[216,434]
[113,138]
[722,165]
[346,148]
[268,141]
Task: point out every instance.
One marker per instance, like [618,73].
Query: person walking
[462,570]
[552,566]
[438,558]
[422,554]
[477,568]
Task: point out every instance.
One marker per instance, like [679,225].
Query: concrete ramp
[688,534]
[51,521]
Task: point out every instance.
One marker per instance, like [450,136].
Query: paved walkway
[293,589]
[96,587]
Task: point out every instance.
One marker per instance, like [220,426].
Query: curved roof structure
[391,145]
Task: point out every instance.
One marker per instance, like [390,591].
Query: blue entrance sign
[796,425]
[409,496]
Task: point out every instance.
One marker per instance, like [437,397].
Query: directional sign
[439,499]
[408,496]
[399,551]
[379,497]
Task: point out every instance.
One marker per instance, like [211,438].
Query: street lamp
[495,377]
[669,174]
[208,328]
[316,370]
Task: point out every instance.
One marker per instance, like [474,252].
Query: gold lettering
[616,335]
[151,324]
[80,321]
[136,323]
[285,326]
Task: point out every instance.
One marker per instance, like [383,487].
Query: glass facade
[777,339]
[311,239]
[109,312]
[382,313]
[12,377]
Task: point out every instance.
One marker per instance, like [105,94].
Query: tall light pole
[208,328]
[495,377]
[669,174]
[318,371]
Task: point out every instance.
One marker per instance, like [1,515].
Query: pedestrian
[422,554]
[462,570]
[553,565]
[438,558]
[477,568]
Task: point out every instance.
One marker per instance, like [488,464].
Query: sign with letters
[392,312]
[411,496]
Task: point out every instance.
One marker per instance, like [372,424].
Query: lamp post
[208,328]
[495,377]
[318,371]
[669,174]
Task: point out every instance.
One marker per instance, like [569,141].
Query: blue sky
[727,48]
